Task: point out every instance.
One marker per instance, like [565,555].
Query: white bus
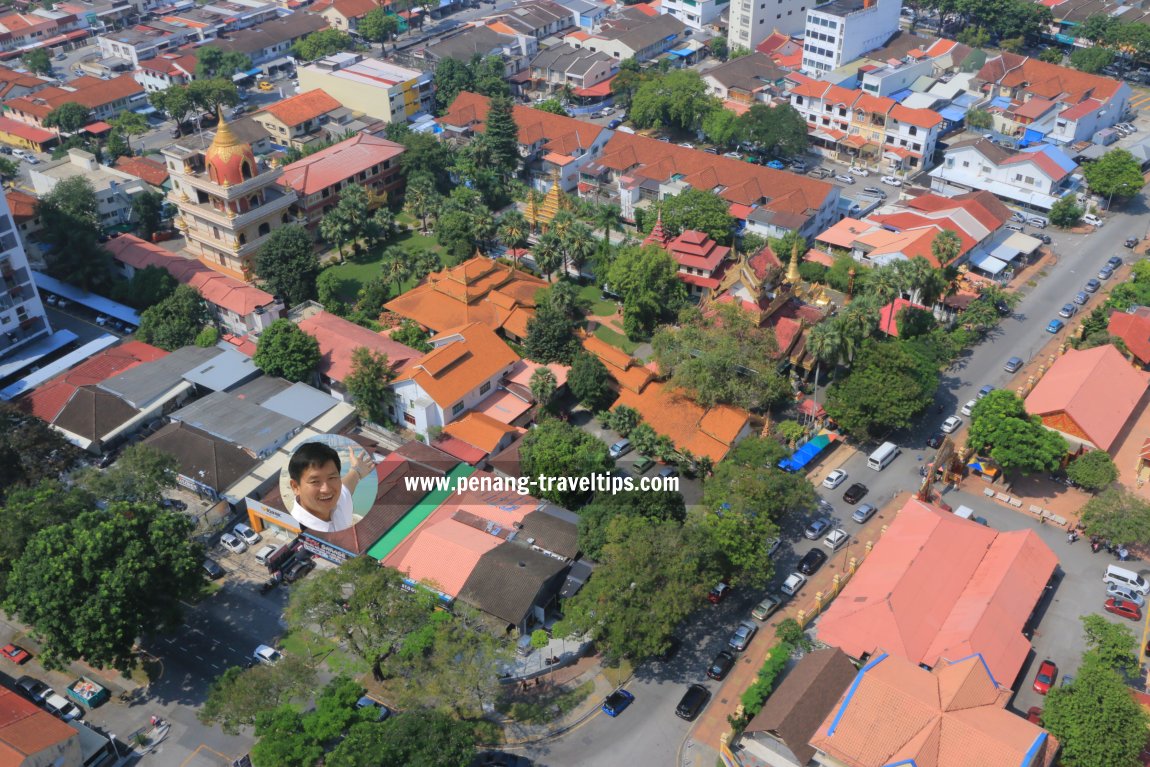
[882,457]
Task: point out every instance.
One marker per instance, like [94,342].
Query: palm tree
[857,323]
[826,344]
[397,266]
[548,253]
[578,245]
[562,222]
[922,281]
[513,229]
[607,218]
[945,247]
[421,199]
[885,285]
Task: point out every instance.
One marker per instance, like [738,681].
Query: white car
[857,171]
[608,111]
[233,544]
[968,408]
[951,424]
[687,145]
[834,479]
[62,707]
[247,535]
[892,180]
[836,540]
[1118,591]
[773,546]
[267,655]
[793,584]
[843,178]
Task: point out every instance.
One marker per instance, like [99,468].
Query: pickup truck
[86,692]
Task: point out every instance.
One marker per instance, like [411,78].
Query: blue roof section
[27,355]
[52,369]
[965,99]
[1001,102]
[227,369]
[681,52]
[1031,752]
[953,113]
[978,656]
[84,298]
[301,402]
[1060,158]
[901,96]
[850,692]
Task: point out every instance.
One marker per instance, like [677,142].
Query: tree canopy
[369,383]
[646,278]
[1096,719]
[288,264]
[285,350]
[141,474]
[69,117]
[38,61]
[1094,470]
[238,697]
[378,25]
[212,61]
[777,131]
[426,738]
[677,98]
[1115,174]
[29,450]
[590,382]
[175,321]
[1001,428]
[1091,60]
[699,209]
[558,449]
[1066,212]
[1118,515]
[889,385]
[325,42]
[71,218]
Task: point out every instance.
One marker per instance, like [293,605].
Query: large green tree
[464,223]
[1118,515]
[889,386]
[1115,174]
[556,448]
[210,95]
[1094,470]
[722,359]
[325,42]
[699,209]
[1096,719]
[426,738]
[1001,428]
[88,588]
[71,218]
[679,99]
[378,25]
[148,211]
[1091,60]
[1066,212]
[288,264]
[285,350]
[647,279]
[596,516]
[778,131]
[141,474]
[590,382]
[30,451]
[176,102]
[1111,643]
[500,137]
[369,383]
[213,61]
[239,696]
[551,331]
[28,510]
[38,61]
[176,321]
[69,117]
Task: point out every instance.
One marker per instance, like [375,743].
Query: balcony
[245,251]
[276,202]
[22,332]
[202,182]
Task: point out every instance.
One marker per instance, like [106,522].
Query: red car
[1034,715]
[718,594]
[15,654]
[1124,609]
[1045,677]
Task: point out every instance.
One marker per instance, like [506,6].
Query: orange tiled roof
[711,433]
[626,371]
[444,554]
[22,205]
[481,431]
[302,107]
[27,732]
[149,170]
[472,354]
[91,92]
[1134,330]
[560,134]
[339,162]
[339,338]
[478,290]
[10,79]
[1049,81]
[354,9]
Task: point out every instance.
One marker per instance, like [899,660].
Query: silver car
[1118,591]
[742,636]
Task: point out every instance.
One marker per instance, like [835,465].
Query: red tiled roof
[694,249]
[1044,163]
[338,338]
[937,586]
[22,205]
[11,79]
[1134,330]
[1050,81]
[337,163]
[181,64]
[1089,394]
[149,170]
[91,92]
[1081,109]
[223,291]
[451,370]
[560,134]
[28,733]
[46,401]
[25,131]
[302,107]
[888,315]
[354,9]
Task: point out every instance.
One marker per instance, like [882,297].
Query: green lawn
[618,340]
[356,274]
[599,307]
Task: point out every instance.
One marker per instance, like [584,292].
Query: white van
[1127,578]
[882,457]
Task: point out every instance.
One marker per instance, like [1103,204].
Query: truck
[87,693]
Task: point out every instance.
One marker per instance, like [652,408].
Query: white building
[1034,178]
[696,14]
[752,21]
[840,31]
[114,189]
[22,316]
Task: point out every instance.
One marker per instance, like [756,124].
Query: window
[486,387]
[1029,180]
[966,163]
[457,408]
[913,131]
[409,418]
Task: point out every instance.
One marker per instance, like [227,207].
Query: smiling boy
[323,498]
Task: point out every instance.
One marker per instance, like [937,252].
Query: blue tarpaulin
[805,454]
[952,113]
[681,52]
[901,96]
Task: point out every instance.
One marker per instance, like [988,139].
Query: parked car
[1044,679]
[1115,262]
[233,544]
[892,180]
[719,593]
[951,424]
[62,707]
[1131,242]
[1018,216]
[773,546]
[692,702]
[15,653]
[1034,715]
[837,539]
[742,637]
[843,178]
[614,704]
[212,569]
[766,608]
[1124,609]
[267,655]
[1044,237]
[793,584]
[1055,326]
[855,493]
[816,529]
[597,115]
[875,191]
[834,479]
[1092,285]
[799,166]
[366,702]
[32,689]
[1081,297]
[935,440]
[812,561]
[1068,311]
[776,165]
[1105,273]
[266,553]
[266,86]
[1118,591]
[857,171]
[614,124]
[246,534]
[1092,220]
[608,110]
[987,389]
[299,569]
[620,448]
[864,513]
[968,407]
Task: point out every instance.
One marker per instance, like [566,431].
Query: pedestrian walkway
[571,677]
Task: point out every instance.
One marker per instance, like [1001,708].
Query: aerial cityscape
[574,383]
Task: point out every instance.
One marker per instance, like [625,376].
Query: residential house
[1133,326]
[779,734]
[296,121]
[166,70]
[39,28]
[894,75]
[478,290]
[516,50]
[25,213]
[589,13]
[635,171]
[746,80]
[364,160]
[841,31]
[632,34]
[206,465]
[750,22]
[236,306]
[1091,397]
[25,136]
[125,49]
[106,99]
[14,84]
[466,364]
[483,432]
[338,339]
[345,15]
[154,173]
[1089,102]
[786,52]
[219,17]
[984,586]
[548,143]
[562,66]
[954,713]
[1035,177]
[859,127]
[269,44]
[369,86]
[536,18]
[114,189]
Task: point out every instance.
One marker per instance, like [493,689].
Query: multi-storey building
[370,86]
[114,189]
[228,202]
[105,98]
[22,316]
[166,70]
[840,31]
[752,21]
[696,14]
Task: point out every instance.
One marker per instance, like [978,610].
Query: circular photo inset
[329,484]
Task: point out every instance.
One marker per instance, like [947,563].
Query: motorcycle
[1071,537]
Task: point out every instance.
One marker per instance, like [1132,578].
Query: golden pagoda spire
[224,136]
[552,204]
[793,276]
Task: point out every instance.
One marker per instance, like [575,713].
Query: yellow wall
[355,96]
